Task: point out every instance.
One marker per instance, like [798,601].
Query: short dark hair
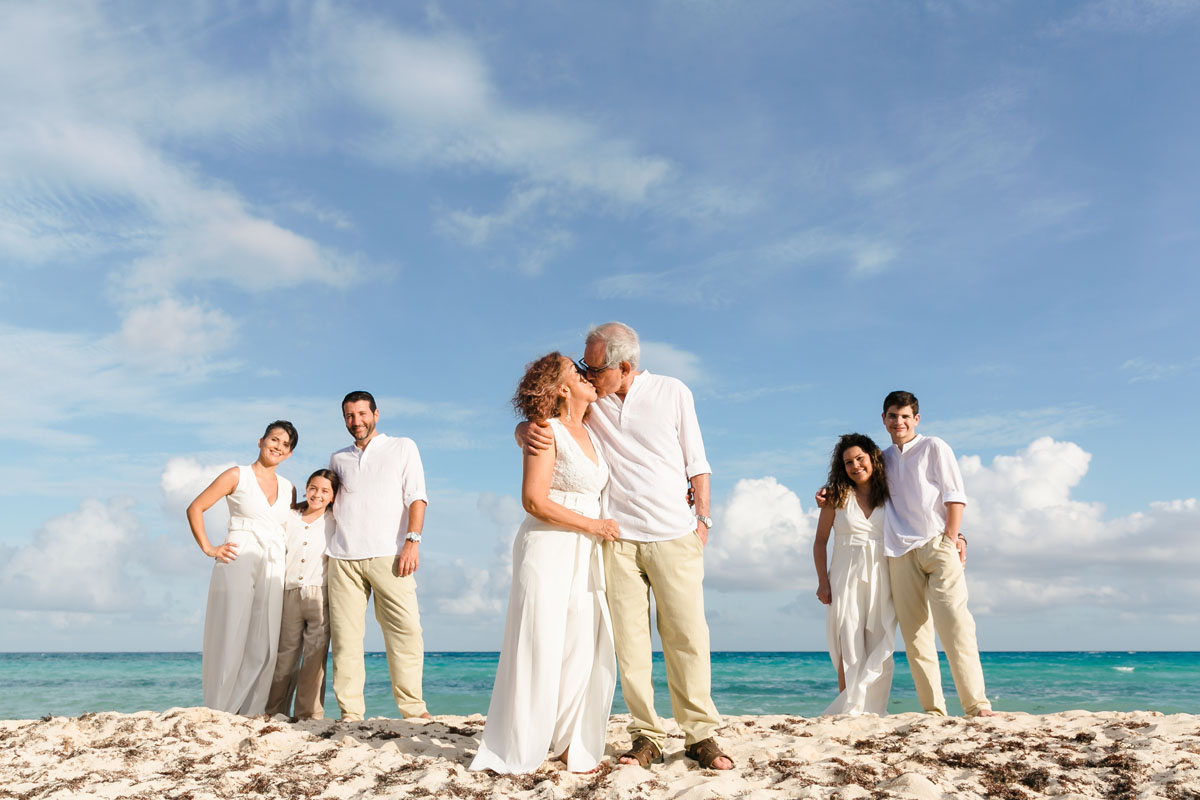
[286,427]
[901,399]
[355,397]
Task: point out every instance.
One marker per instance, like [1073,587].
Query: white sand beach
[197,753]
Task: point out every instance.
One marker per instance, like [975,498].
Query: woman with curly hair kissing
[557,673]
[861,622]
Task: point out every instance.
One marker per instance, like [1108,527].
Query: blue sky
[216,214]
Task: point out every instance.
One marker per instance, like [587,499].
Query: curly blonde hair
[537,393]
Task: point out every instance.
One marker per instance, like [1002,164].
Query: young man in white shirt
[379,514]
[646,425]
[923,517]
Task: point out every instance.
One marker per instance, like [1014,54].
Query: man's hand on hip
[406,562]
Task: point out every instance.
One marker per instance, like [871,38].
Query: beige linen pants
[928,584]
[674,571]
[303,648]
[351,584]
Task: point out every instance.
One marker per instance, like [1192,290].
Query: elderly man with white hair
[647,428]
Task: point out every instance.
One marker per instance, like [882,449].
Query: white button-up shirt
[653,446]
[921,479]
[306,543]
[379,483]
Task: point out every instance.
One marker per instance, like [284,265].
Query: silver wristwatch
[413,536]
[706,520]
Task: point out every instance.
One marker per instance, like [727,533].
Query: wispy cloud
[1009,428]
[1124,16]
[1144,369]
[716,280]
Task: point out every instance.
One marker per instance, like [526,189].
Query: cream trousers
[928,585]
[351,584]
[674,571]
[303,648]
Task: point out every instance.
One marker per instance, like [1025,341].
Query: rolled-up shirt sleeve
[414,475]
[690,440]
[949,476]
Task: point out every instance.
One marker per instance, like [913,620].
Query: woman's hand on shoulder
[606,530]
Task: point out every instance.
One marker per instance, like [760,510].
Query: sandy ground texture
[197,753]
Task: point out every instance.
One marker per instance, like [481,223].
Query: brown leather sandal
[644,751]
[705,752]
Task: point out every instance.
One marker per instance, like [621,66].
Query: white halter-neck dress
[245,601]
[861,621]
[557,673]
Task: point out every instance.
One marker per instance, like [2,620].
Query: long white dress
[861,622]
[245,601]
[557,673]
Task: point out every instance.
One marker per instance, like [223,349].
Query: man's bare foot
[426,715]
[722,762]
[986,712]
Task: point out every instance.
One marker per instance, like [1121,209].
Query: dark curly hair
[839,484]
[537,393]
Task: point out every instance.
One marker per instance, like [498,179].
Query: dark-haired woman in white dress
[245,594]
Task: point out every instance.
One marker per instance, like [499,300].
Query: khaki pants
[928,585]
[351,584]
[674,570]
[303,647]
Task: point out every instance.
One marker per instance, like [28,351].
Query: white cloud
[1034,546]
[461,590]
[171,336]
[91,560]
[666,359]
[439,103]
[763,540]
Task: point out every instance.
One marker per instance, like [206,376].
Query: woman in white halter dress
[245,594]
[861,621]
[557,672]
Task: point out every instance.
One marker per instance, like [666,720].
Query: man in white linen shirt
[647,428]
[379,514]
[922,520]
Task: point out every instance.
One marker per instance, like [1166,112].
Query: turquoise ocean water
[69,684]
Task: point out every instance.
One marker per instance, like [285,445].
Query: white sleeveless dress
[557,673]
[245,601]
[861,621]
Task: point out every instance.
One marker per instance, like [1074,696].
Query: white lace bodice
[574,472]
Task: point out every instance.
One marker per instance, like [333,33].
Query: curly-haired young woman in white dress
[861,622]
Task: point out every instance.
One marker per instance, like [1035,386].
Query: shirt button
[304,543]
[302,561]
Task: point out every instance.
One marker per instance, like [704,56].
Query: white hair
[620,343]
